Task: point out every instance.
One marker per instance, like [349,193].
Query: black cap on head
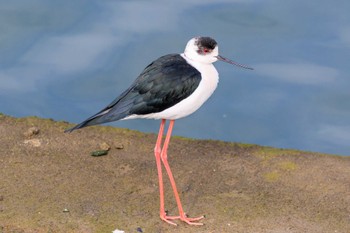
[206,42]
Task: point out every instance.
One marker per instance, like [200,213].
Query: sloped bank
[49,182]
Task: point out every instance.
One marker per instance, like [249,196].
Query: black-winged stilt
[171,87]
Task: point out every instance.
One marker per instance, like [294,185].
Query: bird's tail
[104,116]
[81,125]
[116,110]
[93,120]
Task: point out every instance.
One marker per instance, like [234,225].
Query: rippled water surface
[67,59]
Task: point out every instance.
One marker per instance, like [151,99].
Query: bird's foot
[183,217]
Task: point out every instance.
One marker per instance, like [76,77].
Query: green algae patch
[182,138]
[288,166]
[272,176]
[271,152]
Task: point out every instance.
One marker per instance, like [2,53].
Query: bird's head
[205,50]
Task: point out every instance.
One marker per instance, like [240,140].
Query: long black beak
[220,58]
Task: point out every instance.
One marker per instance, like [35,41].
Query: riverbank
[49,182]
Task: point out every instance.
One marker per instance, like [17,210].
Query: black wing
[161,85]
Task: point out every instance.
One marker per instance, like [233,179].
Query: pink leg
[182,216]
[157,152]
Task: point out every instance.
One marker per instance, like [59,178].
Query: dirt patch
[49,182]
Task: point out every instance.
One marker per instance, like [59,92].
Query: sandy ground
[50,183]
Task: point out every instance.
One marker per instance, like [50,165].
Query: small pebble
[139,230]
[32,131]
[118,146]
[118,231]
[33,142]
[105,146]
[66,210]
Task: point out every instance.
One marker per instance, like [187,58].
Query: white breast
[205,89]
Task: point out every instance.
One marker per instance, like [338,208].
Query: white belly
[205,89]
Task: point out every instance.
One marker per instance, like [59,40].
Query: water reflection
[68,63]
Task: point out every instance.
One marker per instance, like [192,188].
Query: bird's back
[162,84]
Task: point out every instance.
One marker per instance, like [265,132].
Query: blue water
[67,59]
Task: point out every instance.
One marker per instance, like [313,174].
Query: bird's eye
[203,51]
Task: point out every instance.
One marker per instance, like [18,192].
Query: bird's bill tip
[224,59]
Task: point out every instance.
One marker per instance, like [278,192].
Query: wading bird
[171,87]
